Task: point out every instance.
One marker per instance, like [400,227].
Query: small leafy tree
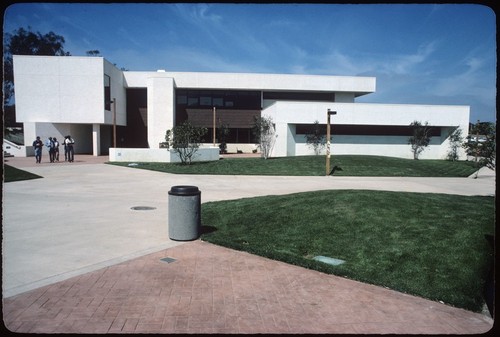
[265,133]
[168,140]
[185,141]
[316,138]
[420,139]
[94,52]
[456,140]
[222,132]
[484,149]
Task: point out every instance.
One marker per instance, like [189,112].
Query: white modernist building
[126,113]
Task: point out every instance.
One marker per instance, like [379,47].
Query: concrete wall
[118,92]
[245,148]
[446,117]
[160,155]
[64,95]
[161,107]
[391,146]
[59,89]
[248,81]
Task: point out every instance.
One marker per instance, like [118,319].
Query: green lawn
[346,165]
[14,174]
[429,245]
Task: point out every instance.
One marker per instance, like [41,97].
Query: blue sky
[420,53]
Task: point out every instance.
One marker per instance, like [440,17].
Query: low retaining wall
[18,150]
[160,155]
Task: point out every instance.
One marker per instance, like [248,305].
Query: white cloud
[405,64]
[198,14]
[472,81]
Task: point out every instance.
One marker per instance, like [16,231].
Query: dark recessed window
[299,96]
[364,130]
[107,92]
[181,99]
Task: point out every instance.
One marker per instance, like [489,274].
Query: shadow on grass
[335,169]
[208,229]
[14,174]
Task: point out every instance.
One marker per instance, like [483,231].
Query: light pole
[328,114]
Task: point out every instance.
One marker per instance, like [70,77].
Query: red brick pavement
[211,289]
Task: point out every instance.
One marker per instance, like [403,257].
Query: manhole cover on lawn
[143,208]
[328,260]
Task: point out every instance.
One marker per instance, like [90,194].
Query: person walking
[50,146]
[56,149]
[37,145]
[69,144]
[65,149]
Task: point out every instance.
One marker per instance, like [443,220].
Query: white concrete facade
[288,114]
[59,95]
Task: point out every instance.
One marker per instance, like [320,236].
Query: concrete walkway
[77,226]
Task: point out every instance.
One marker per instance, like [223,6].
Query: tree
[317,138]
[481,143]
[26,42]
[456,140]
[420,139]
[265,133]
[93,52]
[222,133]
[186,140]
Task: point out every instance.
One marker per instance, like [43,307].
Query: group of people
[52,145]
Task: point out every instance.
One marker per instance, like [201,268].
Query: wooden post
[327,143]
[214,127]
[477,139]
[114,122]
[329,112]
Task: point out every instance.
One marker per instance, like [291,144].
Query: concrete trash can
[184,217]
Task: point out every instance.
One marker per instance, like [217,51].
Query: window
[218,101]
[235,107]
[107,92]
[193,101]
[219,98]
[206,101]
[300,96]
[364,130]
[182,99]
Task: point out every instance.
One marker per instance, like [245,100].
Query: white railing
[17,150]
[8,143]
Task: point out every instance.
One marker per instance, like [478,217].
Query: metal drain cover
[168,260]
[328,260]
[142,208]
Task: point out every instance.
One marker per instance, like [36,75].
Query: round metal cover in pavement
[143,208]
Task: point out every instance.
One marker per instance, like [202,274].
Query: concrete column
[161,109]
[96,139]
[281,145]
[290,140]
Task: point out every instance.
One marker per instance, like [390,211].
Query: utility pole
[328,114]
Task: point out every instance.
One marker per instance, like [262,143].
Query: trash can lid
[184,190]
